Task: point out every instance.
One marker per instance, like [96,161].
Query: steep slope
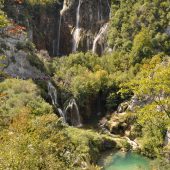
[127,86]
[20,58]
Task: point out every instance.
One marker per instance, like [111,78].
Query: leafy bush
[86,76]
[21,94]
[139,28]
[152,83]
[41,142]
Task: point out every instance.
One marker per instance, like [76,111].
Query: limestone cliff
[63,27]
[20,59]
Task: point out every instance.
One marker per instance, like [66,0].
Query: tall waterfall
[76,33]
[98,37]
[71,113]
[58,38]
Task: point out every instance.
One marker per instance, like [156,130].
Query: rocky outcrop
[123,126]
[134,102]
[119,124]
[20,60]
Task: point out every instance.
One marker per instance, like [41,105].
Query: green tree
[152,87]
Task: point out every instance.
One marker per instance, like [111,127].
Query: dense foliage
[137,65]
[140,28]
[152,86]
[36,138]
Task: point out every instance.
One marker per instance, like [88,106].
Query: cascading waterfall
[58,39]
[132,143]
[83,31]
[76,33]
[52,92]
[62,114]
[71,114]
[102,29]
[97,38]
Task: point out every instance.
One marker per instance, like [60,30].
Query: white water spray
[76,33]
[62,114]
[72,114]
[52,92]
[98,37]
[132,143]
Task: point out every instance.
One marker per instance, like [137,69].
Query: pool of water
[126,161]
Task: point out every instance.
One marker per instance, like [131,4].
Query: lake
[125,161]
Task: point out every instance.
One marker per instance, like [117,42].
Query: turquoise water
[126,161]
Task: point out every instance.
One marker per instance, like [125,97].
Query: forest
[81,78]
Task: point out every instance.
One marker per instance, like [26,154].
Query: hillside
[79,78]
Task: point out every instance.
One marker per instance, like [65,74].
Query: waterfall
[52,92]
[58,38]
[62,114]
[132,143]
[76,33]
[72,114]
[99,35]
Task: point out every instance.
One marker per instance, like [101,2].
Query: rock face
[57,27]
[118,124]
[41,21]
[134,102]
[90,15]
[20,60]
